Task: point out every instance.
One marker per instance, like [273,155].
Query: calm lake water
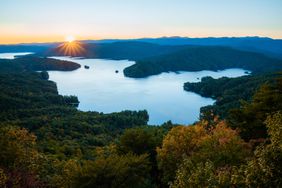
[101,89]
[12,55]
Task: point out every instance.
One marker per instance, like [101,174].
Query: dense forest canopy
[229,92]
[59,132]
[243,102]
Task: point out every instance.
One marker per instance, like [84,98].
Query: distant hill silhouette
[267,46]
[32,63]
[130,50]
[197,58]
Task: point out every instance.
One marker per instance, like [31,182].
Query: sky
[54,20]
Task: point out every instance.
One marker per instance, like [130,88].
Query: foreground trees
[264,170]
[19,159]
[250,117]
[193,156]
[223,159]
[115,171]
[194,148]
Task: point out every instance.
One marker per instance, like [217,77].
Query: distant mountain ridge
[267,46]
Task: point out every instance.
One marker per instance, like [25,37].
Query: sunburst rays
[72,48]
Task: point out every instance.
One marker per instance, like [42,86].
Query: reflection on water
[100,88]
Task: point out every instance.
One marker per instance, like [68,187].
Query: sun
[70,39]
[71,47]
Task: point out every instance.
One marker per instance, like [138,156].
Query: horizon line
[121,38]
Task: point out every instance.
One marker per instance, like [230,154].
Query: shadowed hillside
[117,50]
[196,58]
[33,63]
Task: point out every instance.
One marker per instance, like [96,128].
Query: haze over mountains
[267,46]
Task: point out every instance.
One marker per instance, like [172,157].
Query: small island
[86,67]
[116,71]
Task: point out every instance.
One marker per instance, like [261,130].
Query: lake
[12,55]
[101,89]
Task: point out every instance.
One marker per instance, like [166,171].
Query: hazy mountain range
[267,46]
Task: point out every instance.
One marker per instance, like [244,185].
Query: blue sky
[52,20]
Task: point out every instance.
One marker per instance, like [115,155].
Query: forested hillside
[203,58]
[46,142]
[33,63]
[228,92]
[244,102]
[57,132]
